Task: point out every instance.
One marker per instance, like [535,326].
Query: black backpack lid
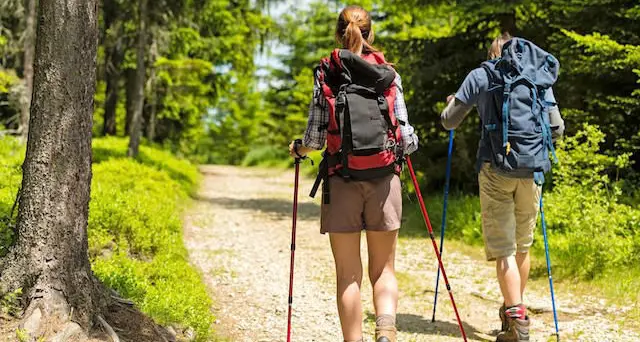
[375,76]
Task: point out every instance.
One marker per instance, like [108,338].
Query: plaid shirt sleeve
[409,138]
[316,134]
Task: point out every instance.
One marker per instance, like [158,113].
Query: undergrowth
[135,235]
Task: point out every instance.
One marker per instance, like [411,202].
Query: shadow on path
[416,324]
[280,208]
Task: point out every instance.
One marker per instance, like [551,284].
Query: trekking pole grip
[296,145]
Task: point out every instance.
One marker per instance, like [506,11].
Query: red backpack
[363,134]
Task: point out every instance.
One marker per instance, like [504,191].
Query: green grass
[135,229]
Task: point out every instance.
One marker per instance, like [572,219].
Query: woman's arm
[409,139]
[316,133]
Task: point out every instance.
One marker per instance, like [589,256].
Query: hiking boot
[503,318]
[517,330]
[386,334]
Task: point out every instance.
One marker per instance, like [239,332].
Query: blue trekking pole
[444,216]
[546,250]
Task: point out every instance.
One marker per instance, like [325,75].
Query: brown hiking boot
[517,330]
[386,334]
[503,318]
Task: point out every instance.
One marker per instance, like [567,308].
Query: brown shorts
[509,212]
[374,205]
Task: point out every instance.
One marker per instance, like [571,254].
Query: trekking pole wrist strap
[296,145]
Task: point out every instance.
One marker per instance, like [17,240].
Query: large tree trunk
[135,130]
[49,260]
[29,51]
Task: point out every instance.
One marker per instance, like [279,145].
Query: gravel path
[238,234]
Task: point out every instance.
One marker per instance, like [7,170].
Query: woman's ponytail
[354,31]
[352,39]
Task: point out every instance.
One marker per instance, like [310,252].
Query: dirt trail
[238,234]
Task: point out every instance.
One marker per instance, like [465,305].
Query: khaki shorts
[374,205]
[509,212]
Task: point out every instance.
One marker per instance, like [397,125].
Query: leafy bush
[591,229]
[178,169]
[267,156]
[135,233]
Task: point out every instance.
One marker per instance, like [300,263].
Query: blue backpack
[517,130]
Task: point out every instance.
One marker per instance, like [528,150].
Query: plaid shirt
[316,134]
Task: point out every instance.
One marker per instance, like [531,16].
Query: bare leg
[382,251]
[346,253]
[509,279]
[524,265]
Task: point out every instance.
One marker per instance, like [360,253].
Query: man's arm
[467,96]
[454,114]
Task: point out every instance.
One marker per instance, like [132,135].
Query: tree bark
[114,59]
[135,130]
[29,51]
[130,94]
[151,85]
[49,260]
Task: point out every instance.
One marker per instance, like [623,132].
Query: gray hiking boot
[386,334]
[517,330]
[503,319]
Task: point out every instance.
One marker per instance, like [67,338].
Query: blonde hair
[354,31]
[495,50]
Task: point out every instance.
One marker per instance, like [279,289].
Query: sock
[516,312]
[385,321]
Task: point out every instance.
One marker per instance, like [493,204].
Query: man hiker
[358,111]
[519,121]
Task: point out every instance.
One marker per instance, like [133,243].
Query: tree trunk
[113,60]
[130,94]
[29,51]
[113,88]
[508,20]
[49,260]
[151,90]
[135,131]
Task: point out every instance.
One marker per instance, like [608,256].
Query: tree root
[122,300]
[108,329]
[71,331]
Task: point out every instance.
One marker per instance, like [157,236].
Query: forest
[181,83]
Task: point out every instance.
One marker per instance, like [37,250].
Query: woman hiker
[509,200]
[358,111]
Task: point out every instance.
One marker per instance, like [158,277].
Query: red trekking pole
[293,233]
[435,245]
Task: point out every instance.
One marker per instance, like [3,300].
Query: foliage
[310,35]
[10,303]
[267,156]
[585,210]
[179,170]
[11,155]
